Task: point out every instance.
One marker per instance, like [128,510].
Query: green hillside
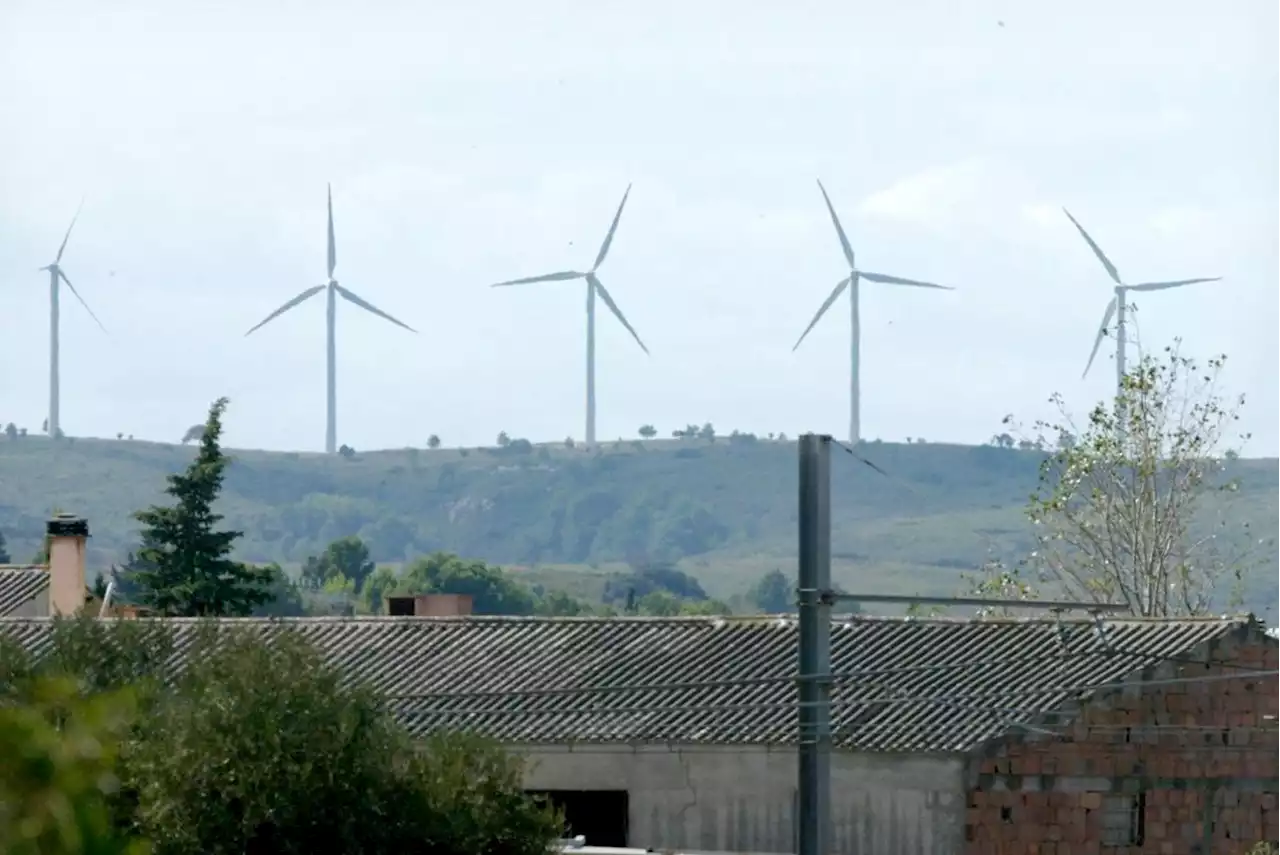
[725,510]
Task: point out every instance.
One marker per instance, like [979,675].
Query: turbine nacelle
[1115,308]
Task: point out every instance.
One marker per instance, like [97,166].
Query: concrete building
[35,590]
[950,736]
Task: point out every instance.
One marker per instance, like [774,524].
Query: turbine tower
[1117,305]
[58,276]
[332,291]
[852,282]
[594,287]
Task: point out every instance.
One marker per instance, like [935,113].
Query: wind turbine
[851,282]
[1116,308]
[332,291]
[594,287]
[56,276]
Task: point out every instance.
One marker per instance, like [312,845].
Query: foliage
[433,441]
[58,772]
[997,581]
[491,591]
[193,433]
[4,552]
[189,570]
[724,512]
[774,594]
[347,557]
[1118,515]
[653,578]
[285,599]
[377,588]
[263,746]
[647,431]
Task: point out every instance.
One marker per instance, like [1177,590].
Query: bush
[262,746]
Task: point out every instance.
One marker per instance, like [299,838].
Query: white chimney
[67,534]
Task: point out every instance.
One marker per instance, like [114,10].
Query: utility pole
[815,645]
[815,599]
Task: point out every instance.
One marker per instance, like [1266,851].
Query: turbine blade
[64,278]
[305,295]
[1102,333]
[1097,250]
[608,239]
[1161,286]
[67,236]
[563,276]
[898,280]
[333,244]
[369,307]
[835,221]
[822,310]
[593,282]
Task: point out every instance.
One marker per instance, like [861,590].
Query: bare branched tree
[1127,512]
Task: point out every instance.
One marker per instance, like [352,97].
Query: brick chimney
[67,534]
[430,605]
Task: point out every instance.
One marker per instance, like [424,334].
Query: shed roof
[933,685]
[19,584]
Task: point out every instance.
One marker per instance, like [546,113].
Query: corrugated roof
[553,680]
[19,585]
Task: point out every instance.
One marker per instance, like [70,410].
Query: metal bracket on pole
[815,599]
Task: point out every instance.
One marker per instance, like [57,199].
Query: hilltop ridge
[724,509]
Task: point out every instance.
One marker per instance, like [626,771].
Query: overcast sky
[470,143]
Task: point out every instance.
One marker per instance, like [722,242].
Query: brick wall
[1145,769]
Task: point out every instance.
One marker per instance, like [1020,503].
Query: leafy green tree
[433,441]
[11,430]
[492,591]
[337,584]
[347,557]
[1121,512]
[189,570]
[294,757]
[658,604]
[559,604]
[774,594]
[4,552]
[503,439]
[286,599]
[58,772]
[377,588]
[648,431]
[705,607]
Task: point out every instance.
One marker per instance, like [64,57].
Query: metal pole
[815,646]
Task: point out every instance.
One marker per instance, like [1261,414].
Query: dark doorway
[598,815]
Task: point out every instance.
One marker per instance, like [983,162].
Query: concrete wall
[744,799]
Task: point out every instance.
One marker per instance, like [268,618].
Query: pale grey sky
[473,143]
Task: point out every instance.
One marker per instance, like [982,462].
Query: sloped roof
[902,685]
[19,585]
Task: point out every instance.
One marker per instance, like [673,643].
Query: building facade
[950,737]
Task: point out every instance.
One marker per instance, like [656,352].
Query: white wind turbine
[332,290]
[594,287]
[57,276]
[852,282]
[1117,307]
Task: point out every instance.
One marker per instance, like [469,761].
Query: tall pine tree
[184,564]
